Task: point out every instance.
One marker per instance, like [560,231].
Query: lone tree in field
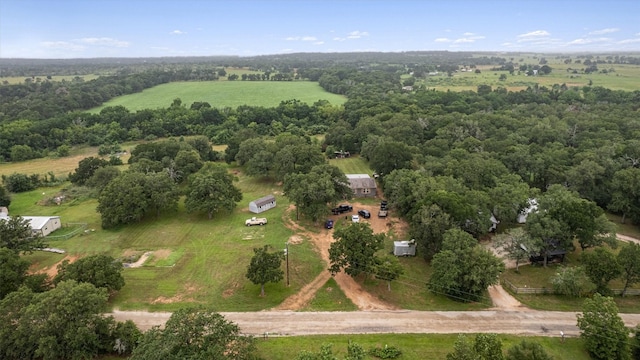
[211,189]
[603,331]
[389,269]
[629,260]
[265,267]
[354,249]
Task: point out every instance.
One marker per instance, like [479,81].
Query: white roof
[358,176]
[38,222]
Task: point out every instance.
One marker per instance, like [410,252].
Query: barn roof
[36,222]
[264,200]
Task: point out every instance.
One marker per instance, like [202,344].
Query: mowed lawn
[222,94]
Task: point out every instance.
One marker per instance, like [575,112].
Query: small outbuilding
[362,185]
[404,248]
[263,204]
[41,225]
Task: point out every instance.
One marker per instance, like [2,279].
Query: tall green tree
[463,270]
[5,199]
[354,249]
[63,323]
[124,200]
[102,271]
[629,261]
[265,267]
[195,333]
[603,331]
[13,271]
[324,184]
[211,190]
[16,235]
[389,269]
[85,170]
[601,266]
[516,244]
[428,227]
[625,194]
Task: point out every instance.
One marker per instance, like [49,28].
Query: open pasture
[222,94]
[617,77]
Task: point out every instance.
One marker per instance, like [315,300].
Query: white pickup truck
[255,221]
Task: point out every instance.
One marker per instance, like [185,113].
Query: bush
[388,352]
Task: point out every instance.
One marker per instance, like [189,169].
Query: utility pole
[286,255]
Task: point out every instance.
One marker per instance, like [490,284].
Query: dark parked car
[328,224]
[383,205]
[364,213]
[342,208]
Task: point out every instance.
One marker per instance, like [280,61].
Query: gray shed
[404,248]
[262,204]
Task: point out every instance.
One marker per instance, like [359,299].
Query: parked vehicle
[255,221]
[382,213]
[342,208]
[355,218]
[328,224]
[364,213]
[383,205]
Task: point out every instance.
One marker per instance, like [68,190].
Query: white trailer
[404,248]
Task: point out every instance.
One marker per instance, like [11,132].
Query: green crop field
[223,94]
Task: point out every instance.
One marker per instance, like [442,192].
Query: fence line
[527,290]
[81,228]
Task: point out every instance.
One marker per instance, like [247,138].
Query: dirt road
[288,323]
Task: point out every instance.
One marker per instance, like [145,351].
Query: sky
[157,28]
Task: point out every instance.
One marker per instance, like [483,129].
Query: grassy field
[413,346]
[624,77]
[223,94]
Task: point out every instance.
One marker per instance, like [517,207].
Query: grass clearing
[222,94]
[330,298]
[352,165]
[413,346]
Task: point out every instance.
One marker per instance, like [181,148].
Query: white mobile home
[263,204]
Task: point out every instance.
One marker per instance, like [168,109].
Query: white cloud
[585,41]
[468,34]
[604,31]
[103,41]
[468,38]
[533,35]
[178,32]
[357,34]
[318,43]
[463,40]
[442,40]
[629,41]
[339,39]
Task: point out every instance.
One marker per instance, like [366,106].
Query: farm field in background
[222,94]
[624,77]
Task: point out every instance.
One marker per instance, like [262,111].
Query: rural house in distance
[362,185]
[263,204]
[42,225]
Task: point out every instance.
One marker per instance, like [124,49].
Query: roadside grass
[413,346]
[330,298]
[222,94]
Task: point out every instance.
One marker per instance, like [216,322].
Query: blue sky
[144,28]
